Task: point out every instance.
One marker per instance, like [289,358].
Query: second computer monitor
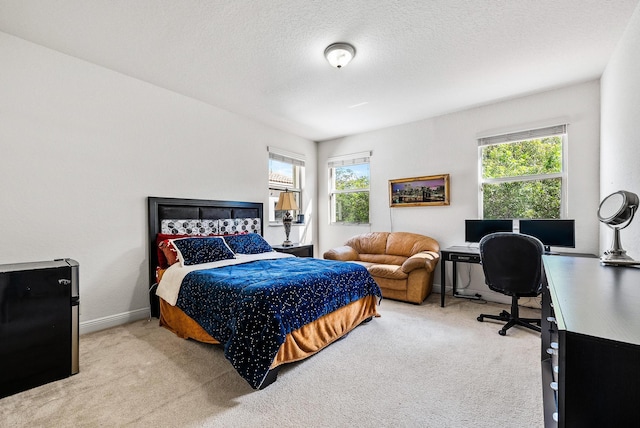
[551,232]
[474,230]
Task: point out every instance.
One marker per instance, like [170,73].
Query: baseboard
[113,320]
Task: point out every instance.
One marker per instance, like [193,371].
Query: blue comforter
[251,307]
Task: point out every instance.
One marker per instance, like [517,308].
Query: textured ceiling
[264,58]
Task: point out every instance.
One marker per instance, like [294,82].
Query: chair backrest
[512,263]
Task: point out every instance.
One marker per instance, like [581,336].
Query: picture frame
[422,191]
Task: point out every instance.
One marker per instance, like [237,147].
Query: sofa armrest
[344,253]
[422,260]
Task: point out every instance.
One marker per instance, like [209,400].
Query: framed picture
[419,191]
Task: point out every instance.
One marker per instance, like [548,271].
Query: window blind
[523,135]
[285,156]
[352,159]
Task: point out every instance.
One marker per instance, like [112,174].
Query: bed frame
[197,209]
[187,209]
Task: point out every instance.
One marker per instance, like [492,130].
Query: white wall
[448,145]
[620,138]
[81,149]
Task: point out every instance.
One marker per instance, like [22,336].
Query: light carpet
[415,366]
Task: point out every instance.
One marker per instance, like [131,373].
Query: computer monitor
[474,230]
[551,232]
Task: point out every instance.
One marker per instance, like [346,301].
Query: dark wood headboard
[196,209]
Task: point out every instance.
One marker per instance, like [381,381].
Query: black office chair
[512,264]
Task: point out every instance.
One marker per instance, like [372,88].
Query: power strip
[475,296]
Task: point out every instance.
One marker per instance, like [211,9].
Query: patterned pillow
[194,251]
[250,243]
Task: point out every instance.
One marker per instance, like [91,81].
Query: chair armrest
[344,253]
[423,260]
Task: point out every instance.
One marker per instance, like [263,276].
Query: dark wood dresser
[590,343]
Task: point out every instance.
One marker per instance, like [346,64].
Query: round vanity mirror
[618,207]
[617,211]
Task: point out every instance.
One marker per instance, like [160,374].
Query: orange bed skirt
[299,344]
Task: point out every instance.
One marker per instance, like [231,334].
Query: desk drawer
[468,258]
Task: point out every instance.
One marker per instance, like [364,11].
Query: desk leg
[443,282]
[454,278]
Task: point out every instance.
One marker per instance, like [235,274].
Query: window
[522,175]
[349,178]
[286,172]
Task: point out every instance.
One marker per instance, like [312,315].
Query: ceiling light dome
[339,54]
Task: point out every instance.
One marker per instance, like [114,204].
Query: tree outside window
[350,193]
[523,179]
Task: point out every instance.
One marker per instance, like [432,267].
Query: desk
[455,254]
[590,343]
[465,254]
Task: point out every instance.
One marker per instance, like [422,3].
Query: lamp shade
[286,202]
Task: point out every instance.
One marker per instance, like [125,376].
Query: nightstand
[298,250]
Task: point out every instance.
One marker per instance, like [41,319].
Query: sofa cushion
[384,259]
[408,244]
[369,243]
[365,264]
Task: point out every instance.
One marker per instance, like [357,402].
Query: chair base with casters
[513,318]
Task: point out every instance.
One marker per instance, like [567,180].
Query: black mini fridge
[39,311]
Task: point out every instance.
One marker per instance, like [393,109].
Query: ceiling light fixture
[339,54]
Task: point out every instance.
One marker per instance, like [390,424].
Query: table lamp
[286,202]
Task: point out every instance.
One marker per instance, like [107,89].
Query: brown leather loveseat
[402,263]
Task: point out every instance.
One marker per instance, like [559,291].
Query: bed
[265,308]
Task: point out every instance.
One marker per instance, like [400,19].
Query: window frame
[297,187]
[558,130]
[342,162]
